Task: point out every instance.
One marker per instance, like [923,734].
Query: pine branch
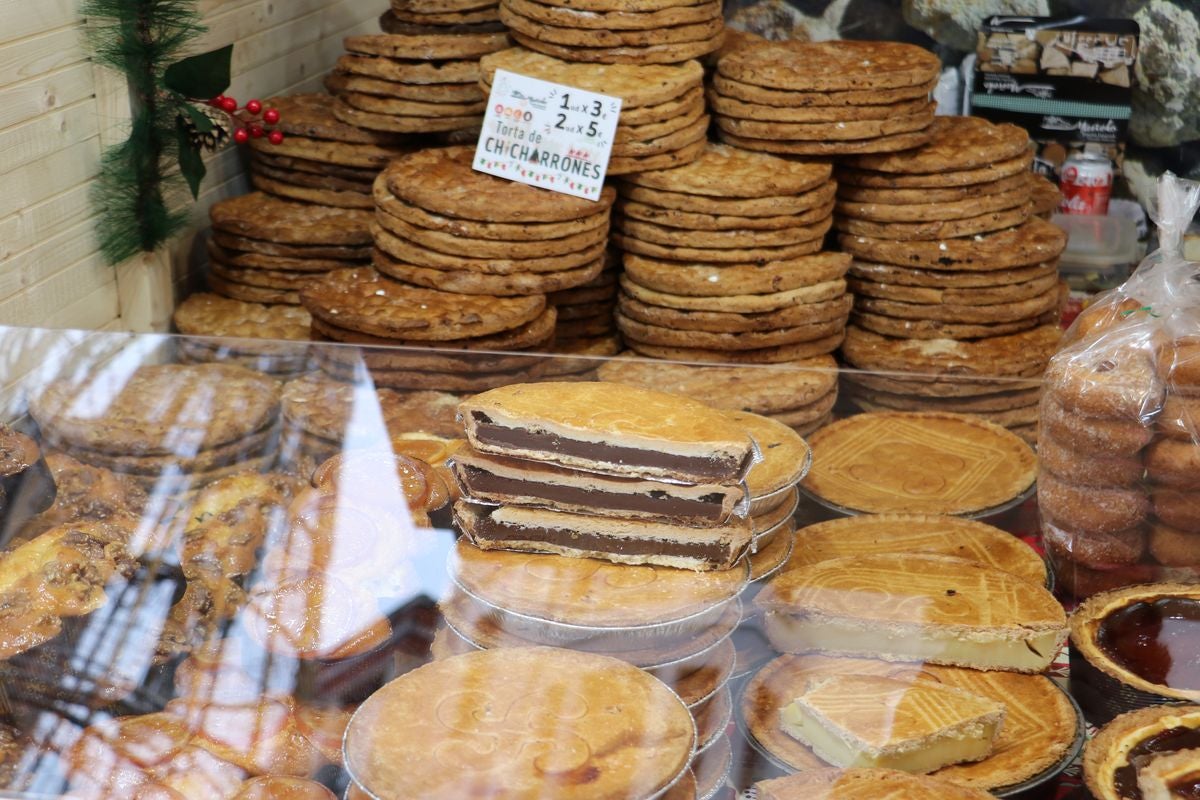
[141,39]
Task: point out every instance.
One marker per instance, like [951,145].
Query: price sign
[547,135]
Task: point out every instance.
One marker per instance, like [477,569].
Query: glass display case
[221,551]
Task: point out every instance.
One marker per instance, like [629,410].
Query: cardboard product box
[1067,80]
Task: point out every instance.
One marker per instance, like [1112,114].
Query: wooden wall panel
[58,111]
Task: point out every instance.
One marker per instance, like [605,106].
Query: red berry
[256,131]
[217,101]
[229,105]
[254,106]
[241,136]
[275,137]
[271,116]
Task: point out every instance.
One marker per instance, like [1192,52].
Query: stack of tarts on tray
[321,160]
[915,641]
[615,32]
[825,98]
[723,260]
[611,519]
[663,120]
[415,76]
[954,280]
[212,316]
[167,428]
[265,249]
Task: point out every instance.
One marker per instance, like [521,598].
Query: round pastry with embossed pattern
[913,462]
[539,722]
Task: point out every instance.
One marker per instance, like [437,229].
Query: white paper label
[547,135]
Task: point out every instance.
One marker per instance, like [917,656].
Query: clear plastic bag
[1119,489]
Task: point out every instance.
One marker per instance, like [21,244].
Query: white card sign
[547,135]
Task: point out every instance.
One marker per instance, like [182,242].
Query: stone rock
[1166,97]
[955,22]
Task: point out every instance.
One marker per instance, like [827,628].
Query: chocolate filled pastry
[609,428]
[624,541]
[1135,647]
[497,479]
[1124,755]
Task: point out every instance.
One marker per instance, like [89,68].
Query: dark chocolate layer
[718,469]
[1168,741]
[709,507]
[1187,787]
[714,554]
[1156,640]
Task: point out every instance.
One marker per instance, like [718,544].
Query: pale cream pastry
[1175,776]
[910,607]
[871,721]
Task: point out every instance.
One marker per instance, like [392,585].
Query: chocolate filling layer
[716,468]
[709,507]
[1168,741]
[1187,787]
[1156,640]
[711,553]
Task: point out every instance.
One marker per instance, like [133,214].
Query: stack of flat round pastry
[265,249]
[415,77]
[441,12]
[673,623]
[322,417]
[168,428]
[362,307]
[800,394]
[616,31]
[1045,196]
[442,225]
[825,98]
[772,487]
[947,250]
[236,321]
[322,160]
[996,379]
[586,326]
[663,121]
[723,260]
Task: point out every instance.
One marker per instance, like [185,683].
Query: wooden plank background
[57,112]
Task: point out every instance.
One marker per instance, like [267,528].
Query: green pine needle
[140,38]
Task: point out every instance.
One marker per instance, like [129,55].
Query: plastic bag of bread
[1119,442]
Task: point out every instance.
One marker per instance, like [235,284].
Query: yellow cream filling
[938,753]
[1033,652]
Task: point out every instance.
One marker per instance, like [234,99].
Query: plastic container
[1101,253]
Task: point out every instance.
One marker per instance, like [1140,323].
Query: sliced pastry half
[624,541]
[909,607]
[871,721]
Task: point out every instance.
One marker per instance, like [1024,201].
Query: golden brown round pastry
[541,722]
[784,453]
[380,474]
[276,787]
[314,616]
[338,533]
[1110,759]
[261,737]
[585,591]
[863,784]
[918,462]
[324,726]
